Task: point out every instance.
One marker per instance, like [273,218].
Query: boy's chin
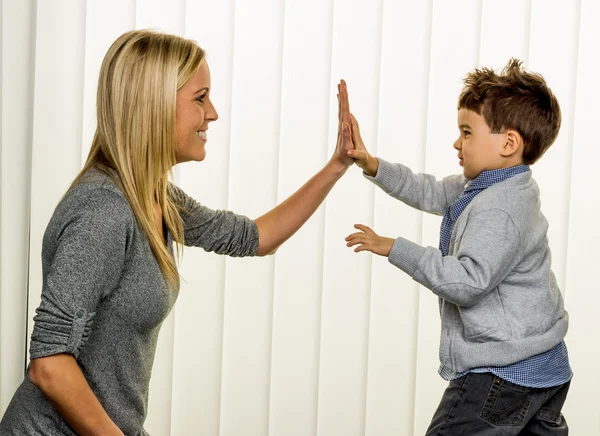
[469,174]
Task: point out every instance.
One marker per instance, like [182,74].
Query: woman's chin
[196,157]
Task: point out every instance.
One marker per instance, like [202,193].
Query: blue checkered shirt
[548,369]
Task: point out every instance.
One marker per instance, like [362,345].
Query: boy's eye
[466,133]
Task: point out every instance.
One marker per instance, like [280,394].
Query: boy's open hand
[368,240]
[361,156]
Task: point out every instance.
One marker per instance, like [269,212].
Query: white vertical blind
[253,179]
[298,276]
[17,24]
[582,274]
[317,340]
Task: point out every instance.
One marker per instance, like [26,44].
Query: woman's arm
[84,247]
[62,382]
[279,224]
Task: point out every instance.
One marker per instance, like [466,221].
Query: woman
[110,276]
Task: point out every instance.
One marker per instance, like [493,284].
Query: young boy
[503,319]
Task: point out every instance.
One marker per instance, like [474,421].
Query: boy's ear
[513,143]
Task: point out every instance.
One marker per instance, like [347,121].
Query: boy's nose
[457,144]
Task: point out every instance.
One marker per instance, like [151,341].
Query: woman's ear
[512,144]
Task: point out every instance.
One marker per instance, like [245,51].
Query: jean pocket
[551,410]
[506,403]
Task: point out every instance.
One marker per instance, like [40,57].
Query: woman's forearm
[280,223]
[60,379]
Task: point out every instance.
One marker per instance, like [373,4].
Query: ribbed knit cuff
[388,175]
[406,255]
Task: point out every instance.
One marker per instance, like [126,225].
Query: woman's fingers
[339,106]
[344,103]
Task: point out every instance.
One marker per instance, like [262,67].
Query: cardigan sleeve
[489,249]
[83,254]
[219,231]
[421,191]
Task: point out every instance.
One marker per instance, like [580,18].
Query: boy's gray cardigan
[500,300]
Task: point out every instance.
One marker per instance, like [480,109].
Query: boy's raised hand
[362,158]
[368,240]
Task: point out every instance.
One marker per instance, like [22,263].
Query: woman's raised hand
[344,136]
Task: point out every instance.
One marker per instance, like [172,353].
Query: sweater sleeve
[421,191]
[488,252]
[220,231]
[83,253]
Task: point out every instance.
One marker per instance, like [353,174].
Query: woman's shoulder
[97,197]
[93,209]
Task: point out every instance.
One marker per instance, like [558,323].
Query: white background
[316,340]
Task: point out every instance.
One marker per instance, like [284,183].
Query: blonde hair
[136,134]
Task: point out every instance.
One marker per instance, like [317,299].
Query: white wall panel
[582,299]
[303,149]
[103,26]
[165,15]
[57,121]
[454,51]
[17,24]
[553,53]
[198,338]
[256,101]
[504,32]
[346,275]
[394,295]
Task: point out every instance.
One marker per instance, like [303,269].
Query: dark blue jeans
[483,404]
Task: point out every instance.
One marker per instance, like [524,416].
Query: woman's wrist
[335,167]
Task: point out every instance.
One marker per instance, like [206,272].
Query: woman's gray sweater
[104,299]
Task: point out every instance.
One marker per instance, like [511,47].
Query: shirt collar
[488,178]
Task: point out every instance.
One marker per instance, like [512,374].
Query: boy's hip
[484,404]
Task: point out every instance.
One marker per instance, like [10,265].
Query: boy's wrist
[372,166]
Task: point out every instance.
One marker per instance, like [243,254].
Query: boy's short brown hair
[514,99]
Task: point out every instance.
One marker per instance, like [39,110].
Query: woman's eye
[201,99]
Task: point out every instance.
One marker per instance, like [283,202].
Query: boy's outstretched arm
[490,248]
[421,191]
[368,240]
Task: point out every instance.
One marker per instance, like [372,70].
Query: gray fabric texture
[500,299]
[104,299]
